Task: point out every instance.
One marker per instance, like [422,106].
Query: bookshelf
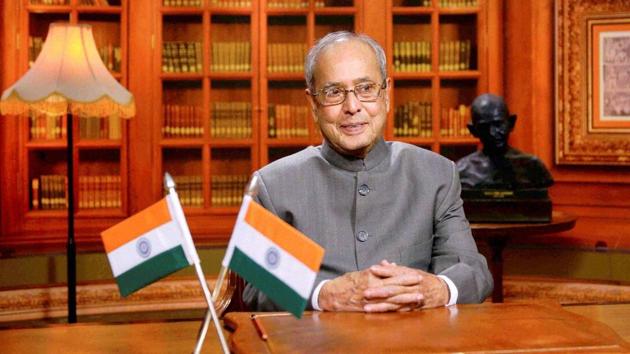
[220,92]
[438,62]
[209,116]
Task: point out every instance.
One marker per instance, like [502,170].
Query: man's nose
[352,103]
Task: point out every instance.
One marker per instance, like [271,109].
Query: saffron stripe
[284,235]
[136,225]
[275,289]
[153,269]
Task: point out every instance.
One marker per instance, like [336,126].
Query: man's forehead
[334,55]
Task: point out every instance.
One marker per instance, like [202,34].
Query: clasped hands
[384,287]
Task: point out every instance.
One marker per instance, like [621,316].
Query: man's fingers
[381,307]
[411,299]
[383,271]
[405,279]
[396,295]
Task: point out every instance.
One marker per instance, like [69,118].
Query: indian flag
[273,256]
[149,245]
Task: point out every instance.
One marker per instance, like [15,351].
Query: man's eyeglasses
[367,91]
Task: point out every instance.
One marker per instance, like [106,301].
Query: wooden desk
[489,328]
[81,338]
[498,235]
[492,327]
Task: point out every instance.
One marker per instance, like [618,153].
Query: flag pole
[170,185]
[252,191]
[215,319]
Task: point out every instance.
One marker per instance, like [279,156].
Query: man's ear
[472,130]
[313,104]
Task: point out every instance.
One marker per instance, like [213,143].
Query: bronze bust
[500,183]
[497,165]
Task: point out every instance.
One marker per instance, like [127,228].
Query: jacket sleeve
[455,253]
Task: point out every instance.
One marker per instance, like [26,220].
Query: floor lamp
[69,77]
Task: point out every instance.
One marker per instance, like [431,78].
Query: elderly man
[388,214]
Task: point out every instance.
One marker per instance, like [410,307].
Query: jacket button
[364,189]
[362,236]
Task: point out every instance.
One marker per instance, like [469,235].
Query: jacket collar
[378,153]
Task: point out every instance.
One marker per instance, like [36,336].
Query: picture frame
[592,82]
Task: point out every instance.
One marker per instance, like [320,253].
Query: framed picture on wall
[610,51]
[592,72]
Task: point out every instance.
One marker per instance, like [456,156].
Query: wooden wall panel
[9,142]
[142,42]
[597,195]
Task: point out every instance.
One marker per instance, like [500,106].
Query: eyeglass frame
[381,87]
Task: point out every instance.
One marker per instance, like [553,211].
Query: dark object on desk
[500,183]
[507,206]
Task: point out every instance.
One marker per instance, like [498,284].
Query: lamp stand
[71,246]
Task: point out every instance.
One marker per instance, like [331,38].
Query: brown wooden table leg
[496,267]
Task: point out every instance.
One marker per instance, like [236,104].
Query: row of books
[231,56]
[189,189]
[181,121]
[458,3]
[288,121]
[289,57]
[285,57]
[453,121]
[455,55]
[181,57]
[45,127]
[231,120]
[302,4]
[111,56]
[35,45]
[412,56]
[199,3]
[49,192]
[227,190]
[49,2]
[95,2]
[295,4]
[413,119]
[183,3]
[100,128]
[231,3]
[97,192]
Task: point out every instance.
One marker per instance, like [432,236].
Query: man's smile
[354,128]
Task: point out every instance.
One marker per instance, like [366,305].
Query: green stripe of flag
[280,293]
[151,270]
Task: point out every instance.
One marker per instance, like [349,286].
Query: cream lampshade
[68,76]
